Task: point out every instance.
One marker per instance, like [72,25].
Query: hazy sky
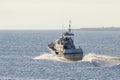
[54,14]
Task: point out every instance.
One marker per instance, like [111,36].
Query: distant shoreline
[101,29]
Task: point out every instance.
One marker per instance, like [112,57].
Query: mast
[69,26]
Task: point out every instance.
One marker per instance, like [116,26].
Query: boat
[65,47]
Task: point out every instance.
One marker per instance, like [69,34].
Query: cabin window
[65,47]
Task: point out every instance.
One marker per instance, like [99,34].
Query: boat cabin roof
[68,34]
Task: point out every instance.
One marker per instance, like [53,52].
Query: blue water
[24,56]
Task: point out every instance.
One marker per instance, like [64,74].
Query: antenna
[69,26]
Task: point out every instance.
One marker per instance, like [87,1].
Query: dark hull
[74,56]
[69,56]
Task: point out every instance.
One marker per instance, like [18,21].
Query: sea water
[24,56]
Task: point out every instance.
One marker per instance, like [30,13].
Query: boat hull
[74,56]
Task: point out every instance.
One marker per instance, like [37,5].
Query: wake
[102,60]
[48,56]
[95,59]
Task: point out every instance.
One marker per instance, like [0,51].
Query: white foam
[48,56]
[98,60]
[102,60]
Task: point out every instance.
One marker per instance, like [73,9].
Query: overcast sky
[55,14]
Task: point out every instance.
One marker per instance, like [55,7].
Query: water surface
[24,56]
